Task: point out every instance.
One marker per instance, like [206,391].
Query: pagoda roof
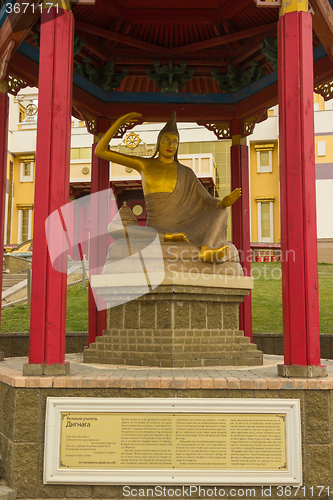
[212,61]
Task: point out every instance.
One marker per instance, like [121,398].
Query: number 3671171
[25,8]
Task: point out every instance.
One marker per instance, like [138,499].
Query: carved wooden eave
[325,90]
[90,121]
[4,60]
[221,130]
[322,22]
[250,122]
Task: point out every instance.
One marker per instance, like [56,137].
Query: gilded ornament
[132,140]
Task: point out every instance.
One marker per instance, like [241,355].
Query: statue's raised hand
[129,119]
[230,198]
[102,147]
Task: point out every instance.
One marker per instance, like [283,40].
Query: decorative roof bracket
[221,130]
[170,78]
[325,90]
[250,122]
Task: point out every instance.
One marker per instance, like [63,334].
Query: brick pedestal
[177,326]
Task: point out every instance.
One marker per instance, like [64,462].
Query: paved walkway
[96,375]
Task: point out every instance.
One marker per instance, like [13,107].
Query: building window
[25,225]
[21,113]
[321,148]
[10,202]
[24,231]
[265,219]
[26,171]
[264,158]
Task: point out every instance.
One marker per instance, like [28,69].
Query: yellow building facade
[19,198]
[265,184]
[264,192]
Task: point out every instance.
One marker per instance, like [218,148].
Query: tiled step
[9,280]
[173,348]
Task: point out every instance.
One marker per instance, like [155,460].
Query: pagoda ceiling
[185,54]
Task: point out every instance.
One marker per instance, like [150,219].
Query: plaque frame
[52,473]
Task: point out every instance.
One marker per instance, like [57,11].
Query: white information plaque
[173,441]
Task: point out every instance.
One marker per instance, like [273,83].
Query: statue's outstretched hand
[102,147]
[230,199]
[129,119]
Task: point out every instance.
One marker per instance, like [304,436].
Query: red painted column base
[37,370]
[240,225]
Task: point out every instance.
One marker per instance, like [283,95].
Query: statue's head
[169,130]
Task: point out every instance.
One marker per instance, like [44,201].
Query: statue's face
[168,145]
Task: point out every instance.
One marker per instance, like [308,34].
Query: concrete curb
[24,299]
[15,288]
[14,303]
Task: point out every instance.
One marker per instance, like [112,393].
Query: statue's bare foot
[213,254]
[176,237]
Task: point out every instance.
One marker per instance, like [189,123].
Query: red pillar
[100,180]
[298,197]
[240,224]
[49,287]
[4,109]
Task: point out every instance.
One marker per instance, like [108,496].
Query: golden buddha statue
[178,206]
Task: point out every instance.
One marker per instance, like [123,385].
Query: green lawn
[267,297]
[266,301]
[17,318]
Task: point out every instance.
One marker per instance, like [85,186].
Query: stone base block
[299,371]
[36,370]
[2,356]
[176,326]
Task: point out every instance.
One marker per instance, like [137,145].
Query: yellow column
[4,112]
[238,140]
[294,6]
[3,87]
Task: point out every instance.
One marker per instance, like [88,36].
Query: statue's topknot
[171,125]
[171,128]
